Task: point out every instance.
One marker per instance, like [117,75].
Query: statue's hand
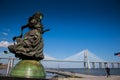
[14,38]
[45,30]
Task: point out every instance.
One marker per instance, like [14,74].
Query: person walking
[107,71]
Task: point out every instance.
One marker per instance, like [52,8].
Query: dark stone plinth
[19,78]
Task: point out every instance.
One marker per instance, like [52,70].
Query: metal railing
[10,62]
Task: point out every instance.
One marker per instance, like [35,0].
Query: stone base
[28,69]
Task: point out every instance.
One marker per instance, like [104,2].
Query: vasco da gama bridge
[83,59]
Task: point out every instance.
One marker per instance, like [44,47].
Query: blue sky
[75,25]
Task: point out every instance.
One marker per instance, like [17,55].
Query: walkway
[68,74]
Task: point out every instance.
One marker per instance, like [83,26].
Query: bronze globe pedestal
[28,69]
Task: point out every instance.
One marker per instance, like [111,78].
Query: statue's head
[38,16]
[35,20]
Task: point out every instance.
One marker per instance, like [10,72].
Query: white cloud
[4,33]
[48,57]
[5,43]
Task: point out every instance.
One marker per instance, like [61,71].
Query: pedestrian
[107,71]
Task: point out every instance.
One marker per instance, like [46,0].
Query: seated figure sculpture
[30,45]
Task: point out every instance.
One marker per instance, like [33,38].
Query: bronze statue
[30,45]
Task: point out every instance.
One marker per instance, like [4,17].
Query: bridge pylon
[86,60]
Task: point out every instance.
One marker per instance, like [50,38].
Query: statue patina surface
[29,48]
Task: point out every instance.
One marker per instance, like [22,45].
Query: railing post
[12,62]
[8,66]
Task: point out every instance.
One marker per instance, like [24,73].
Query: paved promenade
[91,78]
